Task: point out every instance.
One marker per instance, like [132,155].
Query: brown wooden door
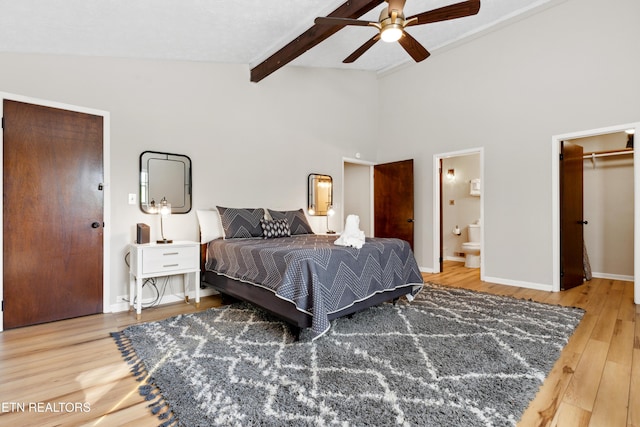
[393,200]
[571,216]
[53,207]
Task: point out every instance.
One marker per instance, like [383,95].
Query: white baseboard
[621,277]
[456,258]
[519,283]
[123,303]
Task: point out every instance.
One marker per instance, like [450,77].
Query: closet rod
[608,153]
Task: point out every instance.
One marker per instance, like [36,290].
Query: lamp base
[164,241]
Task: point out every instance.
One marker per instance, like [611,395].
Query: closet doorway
[611,196]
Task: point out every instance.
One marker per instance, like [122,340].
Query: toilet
[471,249]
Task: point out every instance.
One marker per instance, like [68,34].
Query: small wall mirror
[165,175]
[320,194]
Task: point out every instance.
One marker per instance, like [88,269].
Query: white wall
[568,68]
[251,145]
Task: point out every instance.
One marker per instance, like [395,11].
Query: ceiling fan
[392,22]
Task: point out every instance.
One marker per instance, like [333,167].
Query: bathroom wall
[458,206]
[608,207]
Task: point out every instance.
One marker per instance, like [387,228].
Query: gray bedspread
[314,274]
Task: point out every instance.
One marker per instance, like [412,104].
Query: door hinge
[2,305]
[561,156]
[3,123]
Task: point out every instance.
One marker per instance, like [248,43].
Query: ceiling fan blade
[330,20]
[413,47]
[362,49]
[458,10]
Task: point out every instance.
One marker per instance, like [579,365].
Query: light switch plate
[132,198]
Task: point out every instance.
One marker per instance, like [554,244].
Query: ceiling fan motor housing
[391,25]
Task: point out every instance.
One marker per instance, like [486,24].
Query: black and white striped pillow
[241,223]
[297,220]
[272,229]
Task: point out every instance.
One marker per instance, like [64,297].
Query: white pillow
[210,225]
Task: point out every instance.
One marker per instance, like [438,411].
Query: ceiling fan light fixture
[391,33]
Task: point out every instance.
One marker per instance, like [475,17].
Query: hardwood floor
[75,368]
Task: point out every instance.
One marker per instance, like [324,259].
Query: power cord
[151,281]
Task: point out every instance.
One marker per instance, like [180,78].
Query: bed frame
[280,308]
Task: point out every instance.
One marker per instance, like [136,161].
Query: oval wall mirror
[320,194]
[165,175]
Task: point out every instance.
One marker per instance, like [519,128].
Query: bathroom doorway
[458,203]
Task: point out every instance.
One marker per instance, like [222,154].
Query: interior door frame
[555,203]
[106,159]
[437,220]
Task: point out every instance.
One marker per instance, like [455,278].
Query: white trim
[106,153]
[621,277]
[521,284]
[555,202]
[436,205]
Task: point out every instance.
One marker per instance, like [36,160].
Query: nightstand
[160,260]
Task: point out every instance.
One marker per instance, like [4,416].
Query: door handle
[583,222]
[410,220]
[95,224]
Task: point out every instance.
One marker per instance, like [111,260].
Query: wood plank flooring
[74,367]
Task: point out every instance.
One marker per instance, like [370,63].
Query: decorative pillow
[297,220]
[241,223]
[275,228]
[210,225]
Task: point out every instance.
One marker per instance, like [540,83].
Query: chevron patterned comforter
[314,274]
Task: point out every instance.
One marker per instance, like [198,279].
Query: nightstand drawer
[162,260]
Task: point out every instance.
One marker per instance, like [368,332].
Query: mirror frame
[177,206]
[312,192]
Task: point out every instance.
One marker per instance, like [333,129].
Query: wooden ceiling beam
[310,38]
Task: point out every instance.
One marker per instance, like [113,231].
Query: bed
[304,278]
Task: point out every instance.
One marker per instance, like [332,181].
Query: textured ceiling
[232,31]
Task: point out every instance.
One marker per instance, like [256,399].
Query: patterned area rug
[450,357]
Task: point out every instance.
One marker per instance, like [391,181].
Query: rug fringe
[160,407]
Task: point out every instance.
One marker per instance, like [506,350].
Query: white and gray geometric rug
[451,357]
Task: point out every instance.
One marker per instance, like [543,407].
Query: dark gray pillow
[297,220]
[272,229]
[241,223]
